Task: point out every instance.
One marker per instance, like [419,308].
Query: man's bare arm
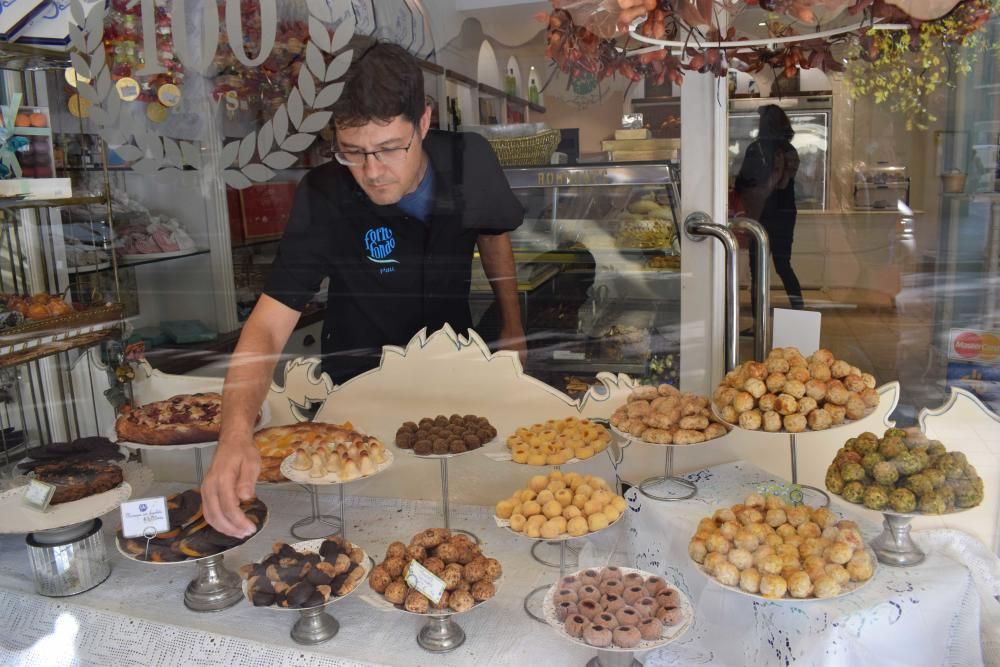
[233,473]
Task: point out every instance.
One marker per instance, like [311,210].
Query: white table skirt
[138,617]
[921,616]
[925,615]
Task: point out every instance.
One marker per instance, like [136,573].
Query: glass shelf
[106,266]
[12,203]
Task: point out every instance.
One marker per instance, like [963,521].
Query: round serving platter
[637,439]
[17,517]
[563,537]
[439,613]
[312,547]
[848,589]
[188,561]
[410,452]
[112,434]
[304,476]
[670,633]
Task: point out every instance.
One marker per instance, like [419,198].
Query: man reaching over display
[392,223]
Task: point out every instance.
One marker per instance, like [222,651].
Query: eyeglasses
[385,156]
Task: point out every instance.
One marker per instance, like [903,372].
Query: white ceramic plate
[303,477]
[505,524]
[16,517]
[410,452]
[632,438]
[851,587]
[443,612]
[845,423]
[670,634]
[312,547]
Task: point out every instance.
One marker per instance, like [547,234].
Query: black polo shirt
[390,274]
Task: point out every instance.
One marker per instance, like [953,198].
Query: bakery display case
[598,261]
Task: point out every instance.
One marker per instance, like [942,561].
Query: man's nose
[373,167]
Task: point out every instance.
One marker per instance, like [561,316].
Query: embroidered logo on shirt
[379,243]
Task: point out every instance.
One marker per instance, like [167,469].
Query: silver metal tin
[70,560]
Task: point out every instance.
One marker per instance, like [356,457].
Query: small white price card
[145,517]
[424,581]
[38,494]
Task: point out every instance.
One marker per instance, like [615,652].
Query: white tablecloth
[925,615]
[138,617]
[929,615]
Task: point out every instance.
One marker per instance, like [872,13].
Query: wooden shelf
[458,77]
[14,354]
[433,68]
[490,90]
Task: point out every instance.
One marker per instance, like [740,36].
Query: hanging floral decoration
[934,40]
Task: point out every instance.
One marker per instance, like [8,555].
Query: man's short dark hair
[384,82]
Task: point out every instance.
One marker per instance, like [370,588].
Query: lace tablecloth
[921,616]
[138,617]
[931,614]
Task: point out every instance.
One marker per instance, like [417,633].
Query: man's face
[386,181]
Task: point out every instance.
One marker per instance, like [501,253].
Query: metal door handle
[697,227]
[762,326]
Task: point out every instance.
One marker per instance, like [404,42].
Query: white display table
[925,615]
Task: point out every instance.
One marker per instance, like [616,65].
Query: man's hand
[231,479]
[633,8]
[512,338]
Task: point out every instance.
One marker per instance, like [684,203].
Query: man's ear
[425,121]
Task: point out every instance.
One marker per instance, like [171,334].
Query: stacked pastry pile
[662,415]
[468,574]
[904,472]
[795,393]
[189,536]
[75,480]
[559,506]
[445,435]
[558,441]
[609,607]
[765,547]
[300,580]
[348,460]
[319,449]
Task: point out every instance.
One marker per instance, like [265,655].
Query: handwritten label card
[38,494]
[424,581]
[146,516]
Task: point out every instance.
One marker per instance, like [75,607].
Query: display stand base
[440,635]
[446,507]
[894,546]
[533,603]
[668,482]
[820,492]
[572,552]
[314,626]
[214,589]
[687,489]
[323,525]
[472,536]
[613,659]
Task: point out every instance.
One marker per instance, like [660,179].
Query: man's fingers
[246,484]
[229,505]
[211,505]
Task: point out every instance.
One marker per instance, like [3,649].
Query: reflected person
[766,186]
